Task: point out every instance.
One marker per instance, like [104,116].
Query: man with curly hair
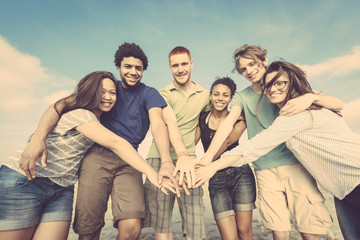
[102,173]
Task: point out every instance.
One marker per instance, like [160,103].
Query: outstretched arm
[233,137]
[37,145]
[161,137]
[101,135]
[185,165]
[221,134]
[303,102]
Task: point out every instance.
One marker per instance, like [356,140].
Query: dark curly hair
[130,50]
[225,81]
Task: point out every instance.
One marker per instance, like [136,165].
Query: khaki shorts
[159,208]
[103,173]
[291,188]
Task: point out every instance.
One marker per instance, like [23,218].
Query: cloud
[27,88]
[336,66]
[22,78]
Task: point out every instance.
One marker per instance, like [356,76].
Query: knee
[129,232]
[244,234]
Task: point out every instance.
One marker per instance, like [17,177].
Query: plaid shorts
[159,207]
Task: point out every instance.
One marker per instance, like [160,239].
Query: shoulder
[201,89]
[79,113]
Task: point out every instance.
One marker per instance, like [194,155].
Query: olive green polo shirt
[187,111]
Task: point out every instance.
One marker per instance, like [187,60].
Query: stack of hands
[187,174]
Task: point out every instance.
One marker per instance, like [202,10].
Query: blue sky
[46,47]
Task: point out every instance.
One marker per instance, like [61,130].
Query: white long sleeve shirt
[320,140]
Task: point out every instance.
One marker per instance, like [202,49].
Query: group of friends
[297,141]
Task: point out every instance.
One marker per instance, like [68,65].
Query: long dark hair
[298,84]
[87,94]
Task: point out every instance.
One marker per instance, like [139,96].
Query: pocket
[315,197]
[11,180]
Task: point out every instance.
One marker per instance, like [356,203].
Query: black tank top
[207,133]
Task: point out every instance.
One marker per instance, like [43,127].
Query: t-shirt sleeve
[73,119]
[282,129]
[154,99]
[166,95]
[237,101]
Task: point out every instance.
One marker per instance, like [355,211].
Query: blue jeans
[25,203]
[232,189]
[348,214]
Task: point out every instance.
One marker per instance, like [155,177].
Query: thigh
[52,230]
[158,206]
[306,203]
[127,194]
[59,204]
[243,189]
[22,234]
[220,195]
[273,206]
[20,201]
[94,186]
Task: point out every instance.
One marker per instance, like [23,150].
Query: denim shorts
[232,189]
[25,203]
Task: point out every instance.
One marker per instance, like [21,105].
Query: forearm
[47,122]
[175,135]
[161,139]
[225,161]
[328,102]
[220,136]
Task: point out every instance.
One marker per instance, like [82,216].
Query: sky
[47,46]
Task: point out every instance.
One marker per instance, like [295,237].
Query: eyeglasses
[278,85]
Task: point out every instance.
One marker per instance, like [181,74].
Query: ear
[265,61]
[191,63]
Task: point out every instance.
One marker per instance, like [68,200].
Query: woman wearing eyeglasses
[319,138]
[284,185]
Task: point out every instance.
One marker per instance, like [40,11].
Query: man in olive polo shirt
[186,100]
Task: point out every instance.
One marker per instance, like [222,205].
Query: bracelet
[182,154]
[166,162]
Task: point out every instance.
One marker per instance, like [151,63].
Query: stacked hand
[185,170]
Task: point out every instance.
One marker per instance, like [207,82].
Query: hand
[185,166]
[32,152]
[184,185]
[203,174]
[166,184]
[298,104]
[204,161]
[166,171]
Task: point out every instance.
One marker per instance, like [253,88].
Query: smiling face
[220,97]
[252,70]
[131,71]
[180,67]
[278,90]
[108,98]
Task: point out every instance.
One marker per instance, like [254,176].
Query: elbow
[340,106]
[113,144]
